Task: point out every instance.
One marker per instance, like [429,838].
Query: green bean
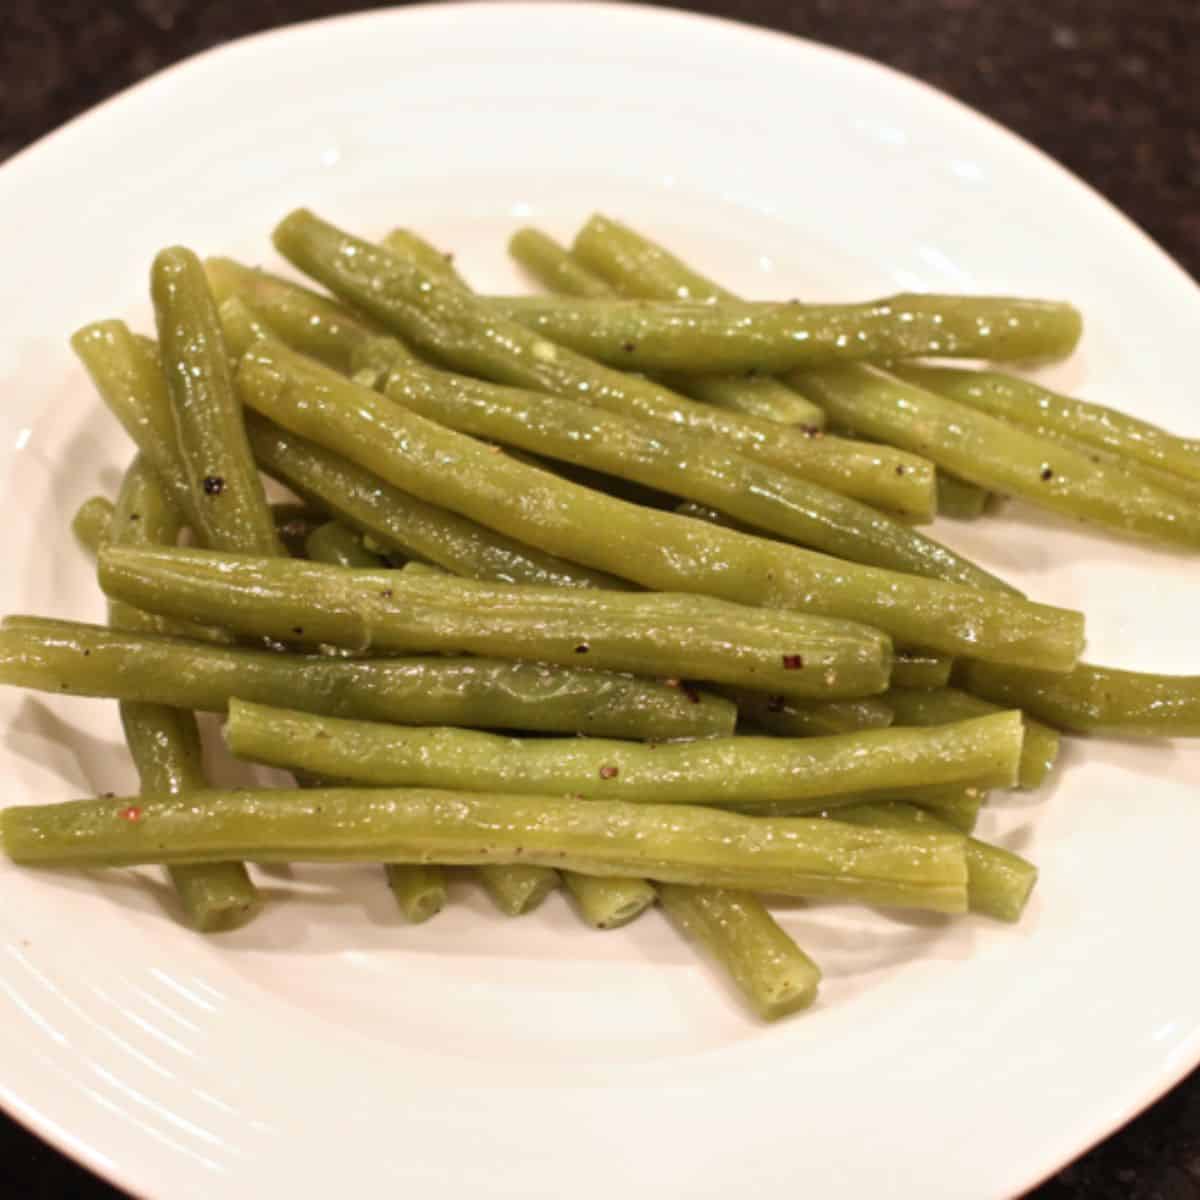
[463,332]
[228,501]
[87,660]
[517,888]
[999,882]
[960,500]
[1030,404]
[774,975]
[770,337]
[657,634]
[679,462]
[957,804]
[435,263]
[305,320]
[760,396]
[667,843]
[742,771]
[609,902]
[935,706]
[1002,457]
[92,522]
[163,741]
[335,544]
[399,522]
[420,889]
[674,554]
[920,669]
[1093,699]
[294,523]
[787,716]
[128,375]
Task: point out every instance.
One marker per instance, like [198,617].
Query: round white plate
[329,1048]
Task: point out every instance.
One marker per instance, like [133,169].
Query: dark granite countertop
[1111,88]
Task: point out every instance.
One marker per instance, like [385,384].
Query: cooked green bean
[400,522]
[164,741]
[680,462]
[674,554]
[787,716]
[999,882]
[741,771]
[128,375]
[1093,699]
[420,889]
[92,522]
[88,660]
[437,264]
[649,633]
[517,888]
[462,332]
[1002,457]
[960,500]
[294,523]
[958,804]
[609,902]
[311,323]
[774,975]
[669,843]
[770,337]
[937,705]
[920,669]
[758,395]
[228,501]
[335,544]
[1034,406]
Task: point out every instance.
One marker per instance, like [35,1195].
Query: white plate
[328,1047]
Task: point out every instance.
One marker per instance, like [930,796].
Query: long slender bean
[668,843]
[650,633]
[1093,699]
[774,975]
[758,395]
[87,660]
[420,890]
[999,882]
[609,901]
[935,706]
[463,332]
[920,669]
[679,462]
[741,771]
[341,547]
[1002,457]
[400,522]
[960,500]
[957,804]
[787,716]
[673,553]
[517,888]
[228,500]
[92,522]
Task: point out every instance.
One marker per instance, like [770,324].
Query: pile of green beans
[575,592]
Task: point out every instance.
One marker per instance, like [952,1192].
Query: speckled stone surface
[1111,88]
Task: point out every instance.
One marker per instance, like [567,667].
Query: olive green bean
[673,553]
[294,523]
[461,331]
[766,336]
[960,500]
[128,375]
[609,902]
[958,804]
[164,741]
[1002,457]
[335,544]
[420,889]
[668,843]
[1093,699]
[774,975]
[920,669]
[758,395]
[999,882]
[937,705]
[679,462]
[435,263]
[741,771]
[649,633]
[787,716]
[397,521]
[228,500]
[517,888]
[1036,407]
[88,660]
[92,522]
